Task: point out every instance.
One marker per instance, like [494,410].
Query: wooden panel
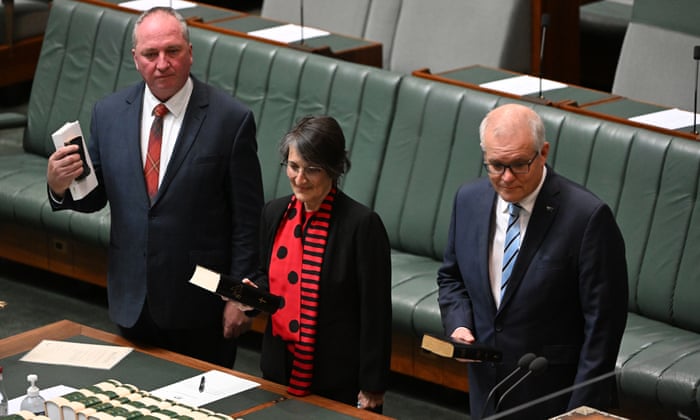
[33,246]
[561,58]
[24,244]
[19,61]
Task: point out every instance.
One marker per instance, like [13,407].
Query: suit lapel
[543,215]
[191,124]
[134,103]
[485,225]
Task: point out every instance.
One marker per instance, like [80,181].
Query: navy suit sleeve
[453,297]
[603,293]
[97,198]
[246,199]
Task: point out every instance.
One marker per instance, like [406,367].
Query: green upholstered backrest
[86,54]
[282,85]
[433,147]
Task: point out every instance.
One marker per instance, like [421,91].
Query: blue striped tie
[512,245]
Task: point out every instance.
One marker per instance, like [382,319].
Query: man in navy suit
[566,296]
[203,209]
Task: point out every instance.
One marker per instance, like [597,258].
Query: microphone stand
[545,23]
[696,56]
[536,366]
[523,364]
[301,20]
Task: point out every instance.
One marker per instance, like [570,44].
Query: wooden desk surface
[270,400]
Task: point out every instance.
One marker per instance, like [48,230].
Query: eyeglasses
[515,168]
[293,169]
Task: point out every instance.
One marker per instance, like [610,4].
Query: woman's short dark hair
[319,140]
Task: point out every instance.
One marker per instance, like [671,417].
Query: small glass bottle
[33,402]
[3,397]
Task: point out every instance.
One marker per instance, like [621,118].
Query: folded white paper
[288,33]
[95,356]
[81,187]
[143,5]
[672,119]
[522,85]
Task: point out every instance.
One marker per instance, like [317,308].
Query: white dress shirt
[499,235]
[172,122]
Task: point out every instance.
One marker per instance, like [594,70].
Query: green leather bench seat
[412,142]
[660,363]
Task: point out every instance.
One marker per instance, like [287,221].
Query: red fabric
[151,169]
[295,273]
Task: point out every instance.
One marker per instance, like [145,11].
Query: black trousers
[206,344]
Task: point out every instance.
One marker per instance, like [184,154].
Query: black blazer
[353,342]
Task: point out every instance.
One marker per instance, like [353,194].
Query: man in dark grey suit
[201,206]
[560,292]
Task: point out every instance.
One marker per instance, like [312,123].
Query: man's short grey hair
[159,9]
[534,121]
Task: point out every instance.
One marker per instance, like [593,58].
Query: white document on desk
[672,119]
[143,5]
[288,33]
[94,356]
[522,85]
[193,392]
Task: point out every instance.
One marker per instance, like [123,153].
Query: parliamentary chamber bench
[412,142]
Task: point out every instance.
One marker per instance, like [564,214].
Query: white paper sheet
[217,385]
[670,118]
[144,5]
[288,33]
[205,279]
[14,404]
[94,356]
[522,85]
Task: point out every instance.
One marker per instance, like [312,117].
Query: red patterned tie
[151,169]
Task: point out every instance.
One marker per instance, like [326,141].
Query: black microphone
[696,56]
[523,364]
[301,20]
[537,366]
[544,22]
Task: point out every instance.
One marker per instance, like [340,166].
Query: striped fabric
[295,273]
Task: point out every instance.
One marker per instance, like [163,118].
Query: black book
[233,288]
[448,347]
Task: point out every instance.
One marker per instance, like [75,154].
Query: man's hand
[235,321]
[63,167]
[367,400]
[463,334]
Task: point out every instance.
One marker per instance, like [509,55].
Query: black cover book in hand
[232,288]
[448,347]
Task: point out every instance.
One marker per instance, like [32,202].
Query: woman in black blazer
[328,256]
